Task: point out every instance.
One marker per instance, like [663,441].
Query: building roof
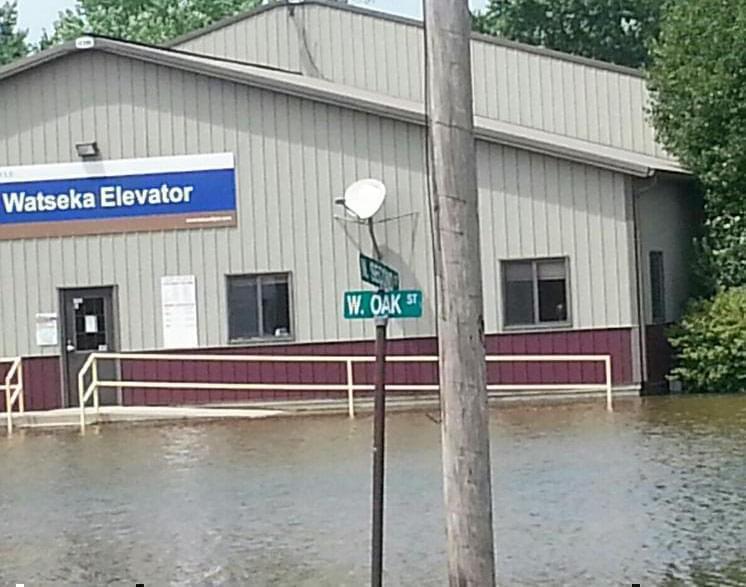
[280,4]
[294,84]
[519,84]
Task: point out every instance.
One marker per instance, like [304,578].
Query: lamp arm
[373,239]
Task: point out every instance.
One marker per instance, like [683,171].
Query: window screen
[657,286]
[258,306]
[535,292]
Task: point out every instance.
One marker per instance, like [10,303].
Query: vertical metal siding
[512,85]
[293,158]
[266,39]
[535,206]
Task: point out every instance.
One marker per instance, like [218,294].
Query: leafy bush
[710,344]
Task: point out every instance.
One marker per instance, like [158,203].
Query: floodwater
[653,494]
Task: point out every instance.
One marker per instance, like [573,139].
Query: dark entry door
[88,326]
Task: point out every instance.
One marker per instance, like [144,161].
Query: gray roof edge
[222,23]
[534,140]
[281,81]
[227,21]
[550,149]
[252,12]
[559,55]
[364,101]
[21,65]
[574,149]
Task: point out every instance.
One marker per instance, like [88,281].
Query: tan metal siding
[535,90]
[293,157]
[269,38]
[534,206]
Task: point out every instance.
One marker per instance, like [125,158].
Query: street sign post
[387,302]
[405,303]
[379,459]
[378,274]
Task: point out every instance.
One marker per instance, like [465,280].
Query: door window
[89,324]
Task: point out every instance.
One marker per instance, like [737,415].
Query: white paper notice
[179,311]
[91,324]
[46,330]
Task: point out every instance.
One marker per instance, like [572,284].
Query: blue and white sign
[157,193]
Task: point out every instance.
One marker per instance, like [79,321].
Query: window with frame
[535,292]
[258,306]
[657,287]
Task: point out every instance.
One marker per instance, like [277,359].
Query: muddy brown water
[653,494]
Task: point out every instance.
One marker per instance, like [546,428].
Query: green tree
[12,40]
[618,31]
[710,344]
[146,21]
[698,85]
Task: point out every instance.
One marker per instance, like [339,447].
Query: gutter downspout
[639,187]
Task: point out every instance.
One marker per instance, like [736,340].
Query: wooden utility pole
[463,392]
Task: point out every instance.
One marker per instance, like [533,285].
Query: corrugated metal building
[582,213]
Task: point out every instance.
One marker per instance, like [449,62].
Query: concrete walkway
[70,417]
[115,414]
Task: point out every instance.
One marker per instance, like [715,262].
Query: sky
[36,15]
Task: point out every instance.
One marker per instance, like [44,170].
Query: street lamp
[362,200]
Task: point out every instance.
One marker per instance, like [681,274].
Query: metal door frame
[115,333]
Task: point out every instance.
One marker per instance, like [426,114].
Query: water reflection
[651,494]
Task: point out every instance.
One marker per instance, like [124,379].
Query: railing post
[8,413]
[21,390]
[94,380]
[609,399]
[350,389]
[81,399]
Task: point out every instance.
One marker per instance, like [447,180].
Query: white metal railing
[13,391]
[92,389]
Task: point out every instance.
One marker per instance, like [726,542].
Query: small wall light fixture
[87,150]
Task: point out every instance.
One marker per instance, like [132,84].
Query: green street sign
[378,274]
[406,303]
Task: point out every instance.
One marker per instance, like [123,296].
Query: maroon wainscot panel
[616,342]
[41,382]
